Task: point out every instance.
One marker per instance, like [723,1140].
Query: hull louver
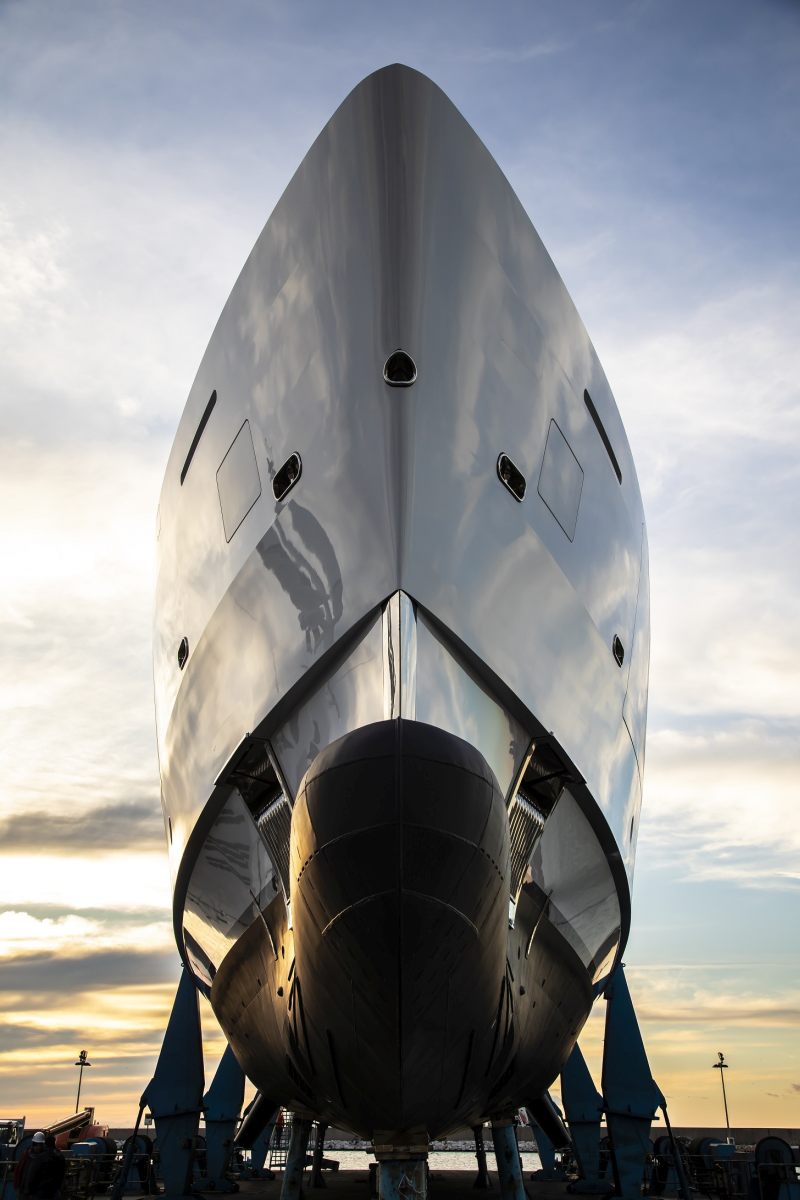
[526,822]
[274,824]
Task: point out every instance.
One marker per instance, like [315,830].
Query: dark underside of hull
[400,1000]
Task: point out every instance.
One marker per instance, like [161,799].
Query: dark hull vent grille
[274,824]
[526,822]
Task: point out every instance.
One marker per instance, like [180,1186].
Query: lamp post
[83,1061]
[722,1067]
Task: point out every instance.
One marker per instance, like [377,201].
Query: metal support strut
[296,1160]
[509,1166]
[546,1152]
[630,1092]
[583,1108]
[255,1133]
[175,1093]
[482,1182]
[317,1178]
[222,1105]
[550,1134]
[258,1154]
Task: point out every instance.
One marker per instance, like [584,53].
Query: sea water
[438,1160]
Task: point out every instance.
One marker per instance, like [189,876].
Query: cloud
[136,823]
[21,1039]
[108,298]
[489,55]
[673,996]
[76,690]
[24,936]
[709,392]
[30,272]
[121,1023]
[71,974]
[120,880]
[728,1010]
[706,778]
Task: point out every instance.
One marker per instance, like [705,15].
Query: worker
[46,1172]
[26,1158]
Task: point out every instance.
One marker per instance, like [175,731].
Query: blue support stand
[547,1154]
[222,1105]
[583,1108]
[258,1154]
[175,1093]
[630,1093]
[292,1186]
[255,1133]
[509,1166]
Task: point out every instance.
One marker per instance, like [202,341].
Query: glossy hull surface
[372,621]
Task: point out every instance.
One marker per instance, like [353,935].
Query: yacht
[401,641]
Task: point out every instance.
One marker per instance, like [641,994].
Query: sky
[656,147]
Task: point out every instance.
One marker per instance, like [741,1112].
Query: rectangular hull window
[238,481]
[561,480]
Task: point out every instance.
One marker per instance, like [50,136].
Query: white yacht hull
[401,762]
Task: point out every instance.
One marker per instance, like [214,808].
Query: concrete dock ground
[355,1185]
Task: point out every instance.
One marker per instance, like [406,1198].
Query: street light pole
[83,1061]
[722,1067]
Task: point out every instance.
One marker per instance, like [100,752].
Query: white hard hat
[38,1138]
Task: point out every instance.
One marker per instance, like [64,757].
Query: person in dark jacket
[45,1174]
[30,1152]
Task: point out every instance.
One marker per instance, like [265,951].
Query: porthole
[511,477]
[183,652]
[287,476]
[619,651]
[400,370]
